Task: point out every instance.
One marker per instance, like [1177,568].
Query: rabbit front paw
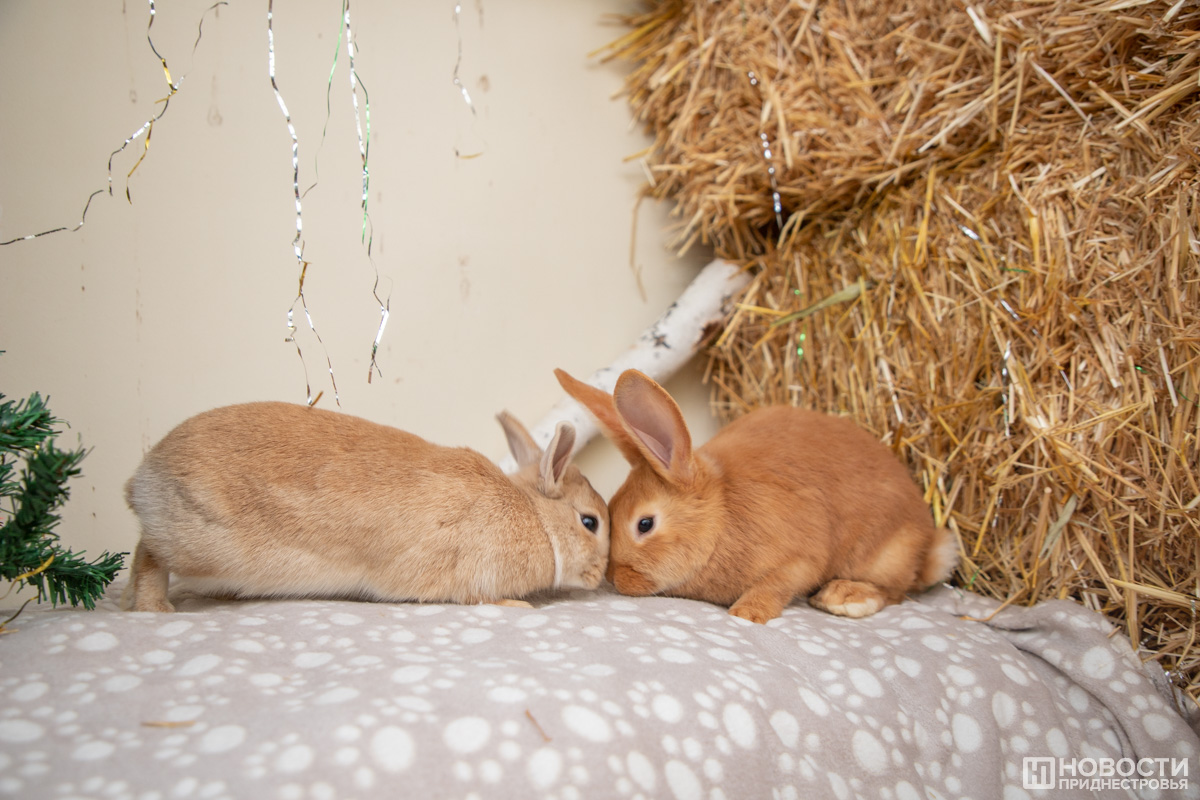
[756,609]
[513,603]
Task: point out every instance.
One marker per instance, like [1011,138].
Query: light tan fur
[275,499]
[782,503]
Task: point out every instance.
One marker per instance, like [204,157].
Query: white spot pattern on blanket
[590,695]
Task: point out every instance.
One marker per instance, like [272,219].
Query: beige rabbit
[282,500]
[781,503]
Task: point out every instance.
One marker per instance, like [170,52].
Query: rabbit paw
[849,599]
[513,603]
[754,610]
[592,577]
[162,606]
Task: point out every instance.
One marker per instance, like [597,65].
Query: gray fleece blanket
[586,695]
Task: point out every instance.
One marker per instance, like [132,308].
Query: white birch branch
[660,351]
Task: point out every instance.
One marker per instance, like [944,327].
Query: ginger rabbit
[782,503]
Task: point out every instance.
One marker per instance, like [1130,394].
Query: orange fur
[781,503]
[274,499]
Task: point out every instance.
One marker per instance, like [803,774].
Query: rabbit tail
[940,560]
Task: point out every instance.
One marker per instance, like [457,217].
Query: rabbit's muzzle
[629,581]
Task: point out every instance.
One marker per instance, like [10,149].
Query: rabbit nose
[608,573]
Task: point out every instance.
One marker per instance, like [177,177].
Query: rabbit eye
[645,525]
[590,522]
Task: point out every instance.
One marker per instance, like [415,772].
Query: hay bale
[974,229]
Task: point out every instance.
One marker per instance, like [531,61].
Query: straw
[989,256]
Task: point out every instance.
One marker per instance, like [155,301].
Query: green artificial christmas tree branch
[29,549]
[25,424]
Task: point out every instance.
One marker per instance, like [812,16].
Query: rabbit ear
[553,463]
[657,425]
[522,446]
[600,403]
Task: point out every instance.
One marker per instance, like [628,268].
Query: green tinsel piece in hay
[29,549]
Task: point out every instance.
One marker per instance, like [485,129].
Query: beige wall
[499,268]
